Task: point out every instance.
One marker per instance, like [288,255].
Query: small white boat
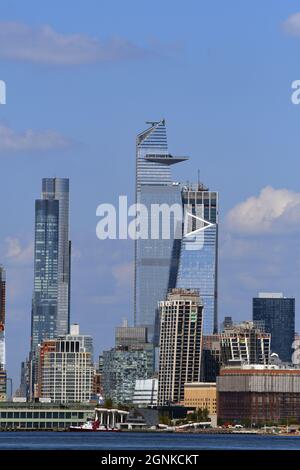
[92,426]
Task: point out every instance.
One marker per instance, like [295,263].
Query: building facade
[42,416]
[145,392]
[156,260]
[65,370]
[277,313]
[198,265]
[211,360]
[2,318]
[258,395]
[180,344]
[121,369]
[51,295]
[246,343]
[202,396]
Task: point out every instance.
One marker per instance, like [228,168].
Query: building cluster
[175,354]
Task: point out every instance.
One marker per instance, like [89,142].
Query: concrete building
[245,342]
[65,370]
[258,395]
[278,316]
[201,396]
[180,344]
[145,392]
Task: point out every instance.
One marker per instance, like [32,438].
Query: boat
[92,426]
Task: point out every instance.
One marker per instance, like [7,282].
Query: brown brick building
[258,394]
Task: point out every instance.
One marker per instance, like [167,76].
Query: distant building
[227,323]
[130,336]
[156,259]
[3,382]
[43,416]
[198,263]
[211,357]
[121,369]
[131,359]
[3,377]
[180,344]
[145,392]
[65,370]
[201,395]
[278,315]
[258,395]
[245,342]
[51,293]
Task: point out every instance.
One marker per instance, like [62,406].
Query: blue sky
[82,77]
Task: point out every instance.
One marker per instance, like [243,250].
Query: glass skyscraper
[2,317]
[51,295]
[156,260]
[198,263]
[277,314]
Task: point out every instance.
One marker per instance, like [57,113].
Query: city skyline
[79,121]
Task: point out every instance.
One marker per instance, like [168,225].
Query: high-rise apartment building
[2,318]
[199,250]
[180,344]
[156,260]
[65,370]
[277,313]
[51,295]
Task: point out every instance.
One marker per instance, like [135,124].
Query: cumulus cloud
[292,25]
[30,140]
[273,211]
[43,44]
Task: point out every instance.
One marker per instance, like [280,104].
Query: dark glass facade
[278,316]
[199,252]
[51,296]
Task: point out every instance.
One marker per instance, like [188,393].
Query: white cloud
[292,24]
[273,211]
[43,44]
[16,253]
[30,140]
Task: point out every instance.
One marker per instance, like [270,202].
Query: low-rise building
[43,416]
[257,394]
[201,395]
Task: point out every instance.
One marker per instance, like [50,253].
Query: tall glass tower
[2,317]
[155,259]
[51,295]
[198,264]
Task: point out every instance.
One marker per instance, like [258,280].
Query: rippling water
[143,441]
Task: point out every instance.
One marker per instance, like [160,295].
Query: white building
[145,392]
[65,369]
[180,344]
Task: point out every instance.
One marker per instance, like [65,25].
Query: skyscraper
[278,316]
[198,265]
[180,344]
[2,317]
[156,260]
[51,295]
